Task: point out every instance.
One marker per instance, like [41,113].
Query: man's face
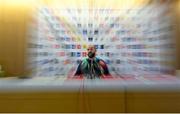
[91,50]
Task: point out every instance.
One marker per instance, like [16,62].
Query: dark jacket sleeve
[105,67]
[78,71]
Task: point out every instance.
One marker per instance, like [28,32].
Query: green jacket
[92,68]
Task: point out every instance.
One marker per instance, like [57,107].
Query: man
[92,67]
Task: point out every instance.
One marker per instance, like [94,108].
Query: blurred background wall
[177,13]
[13,27]
[15,15]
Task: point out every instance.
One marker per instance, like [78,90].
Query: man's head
[91,49]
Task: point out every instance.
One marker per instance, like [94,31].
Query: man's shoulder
[84,60]
[99,59]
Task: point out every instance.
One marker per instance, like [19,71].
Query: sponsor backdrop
[135,41]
